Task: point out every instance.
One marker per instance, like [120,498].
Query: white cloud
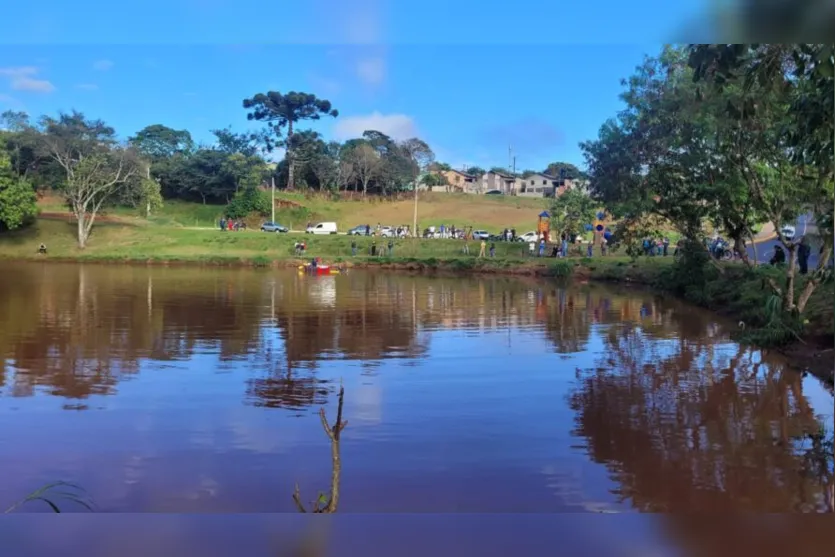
[397,126]
[102,65]
[372,70]
[87,86]
[21,79]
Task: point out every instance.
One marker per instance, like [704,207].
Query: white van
[322,228]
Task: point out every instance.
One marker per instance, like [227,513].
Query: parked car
[322,228]
[357,230]
[528,237]
[788,232]
[481,235]
[273,227]
[388,232]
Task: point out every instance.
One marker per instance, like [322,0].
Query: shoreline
[813,353]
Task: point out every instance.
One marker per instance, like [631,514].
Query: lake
[183,390]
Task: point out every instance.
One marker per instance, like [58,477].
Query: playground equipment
[543,226]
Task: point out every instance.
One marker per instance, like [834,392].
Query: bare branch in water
[328,504]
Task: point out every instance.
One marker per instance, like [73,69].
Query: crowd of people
[231,224]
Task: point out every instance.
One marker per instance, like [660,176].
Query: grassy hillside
[142,241]
[491,212]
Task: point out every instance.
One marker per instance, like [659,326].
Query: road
[805,225]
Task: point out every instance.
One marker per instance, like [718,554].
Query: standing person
[222,224]
[666,243]
[565,245]
[542,247]
[803,253]
[373,248]
[779,256]
[483,247]
[603,243]
[531,248]
[354,248]
[391,247]
[466,250]
[589,250]
[367,230]
[492,249]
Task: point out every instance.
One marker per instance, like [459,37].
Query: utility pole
[272,205]
[414,217]
[509,156]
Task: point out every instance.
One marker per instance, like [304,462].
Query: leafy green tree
[248,201]
[783,109]
[286,111]
[570,172]
[158,142]
[475,171]
[18,202]
[571,212]
[248,145]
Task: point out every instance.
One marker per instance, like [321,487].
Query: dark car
[273,227]
[357,231]
[494,192]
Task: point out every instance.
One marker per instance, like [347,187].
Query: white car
[322,228]
[388,232]
[528,237]
[481,234]
[788,232]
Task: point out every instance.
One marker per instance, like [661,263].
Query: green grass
[492,212]
[122,242]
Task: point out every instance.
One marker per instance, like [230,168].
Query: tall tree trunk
[148,201]
[814,282]
[414,218]
[80,217]
[289,157]
[791,271]
[739,247]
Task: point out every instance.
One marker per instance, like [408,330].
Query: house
[542,185]
[459,182]
[537,185]
[504,183]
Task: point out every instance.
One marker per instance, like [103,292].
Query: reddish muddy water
[197,391]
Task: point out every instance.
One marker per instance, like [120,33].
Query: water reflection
[191,390]
[687,425]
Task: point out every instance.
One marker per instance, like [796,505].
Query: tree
[18,202]
[475,171]
[366,164]
[230,142]
[97,167]
[783,109]
[326,166]
[571,212]
[158,142]
[421,156]
[279,111]
[564,170]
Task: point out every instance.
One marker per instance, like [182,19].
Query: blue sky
[470,78]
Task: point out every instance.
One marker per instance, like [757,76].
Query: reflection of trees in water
[80,330]
[681,429]
[292,390]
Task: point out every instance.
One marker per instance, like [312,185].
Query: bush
[248,201]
